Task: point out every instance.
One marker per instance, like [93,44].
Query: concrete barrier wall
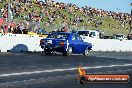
[18,42]
[110,45]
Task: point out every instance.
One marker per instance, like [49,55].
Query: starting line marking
[60,70]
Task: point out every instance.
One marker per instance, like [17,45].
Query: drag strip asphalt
[32,70]
[60,70]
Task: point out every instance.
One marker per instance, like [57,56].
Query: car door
[76,43]
[80,44]
[73,43]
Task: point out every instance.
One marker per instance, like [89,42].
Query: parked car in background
[65,43]
[119,36]
[107,37]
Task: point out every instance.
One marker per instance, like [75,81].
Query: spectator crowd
[49,12]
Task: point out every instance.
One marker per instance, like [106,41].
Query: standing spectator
[1,29]
[25,31]
[14,30]
[129,37]
[9,30]
[5,29]
[19,30]
[65,29]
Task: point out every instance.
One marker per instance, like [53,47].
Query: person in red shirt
[64,29]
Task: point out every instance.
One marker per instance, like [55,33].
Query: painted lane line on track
[60,70]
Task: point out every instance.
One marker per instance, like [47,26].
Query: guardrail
[23,42]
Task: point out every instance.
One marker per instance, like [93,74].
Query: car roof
[64,33]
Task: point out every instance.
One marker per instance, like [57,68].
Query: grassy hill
[108,24]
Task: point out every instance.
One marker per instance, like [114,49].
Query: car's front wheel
[68,52]
[86,52]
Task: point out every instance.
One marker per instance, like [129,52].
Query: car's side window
[78,37]
[73,37]
[51,36]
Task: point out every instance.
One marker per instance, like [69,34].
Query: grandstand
[52,15]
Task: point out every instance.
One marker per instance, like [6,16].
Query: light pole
[9,14]
[130,31]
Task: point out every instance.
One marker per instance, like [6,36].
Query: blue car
[66,43]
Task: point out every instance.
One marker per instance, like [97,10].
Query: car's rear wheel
[68,52]
[86,52]
[46,52]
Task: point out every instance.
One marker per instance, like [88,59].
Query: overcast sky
[110,5]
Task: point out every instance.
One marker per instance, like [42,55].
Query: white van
[89,33]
